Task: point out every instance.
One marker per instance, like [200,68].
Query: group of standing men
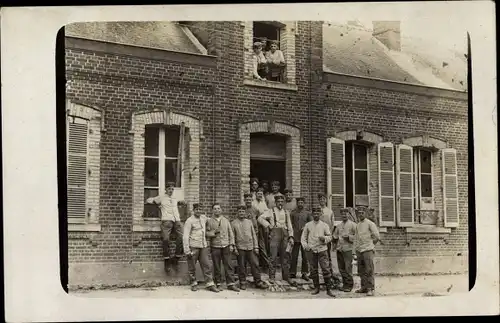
[270,229]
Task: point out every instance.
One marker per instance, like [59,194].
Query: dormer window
[270,52]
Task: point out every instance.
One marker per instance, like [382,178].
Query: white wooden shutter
[450,187]
[404,186]
[386,184]
[77,167]
[336,174]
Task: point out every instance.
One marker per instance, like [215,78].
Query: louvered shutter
[77,167]
[336,174]
[450,187]
[404,186]
[386,184]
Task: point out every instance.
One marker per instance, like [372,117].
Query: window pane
[172,141]
[426,185]
[151,210]
[150,172]
[170,170]
[348,175]
[360,157]
[151,141]
[361,181]
[425,162]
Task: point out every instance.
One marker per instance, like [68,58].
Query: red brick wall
[120,84]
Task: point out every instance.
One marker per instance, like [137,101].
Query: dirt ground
[385,286]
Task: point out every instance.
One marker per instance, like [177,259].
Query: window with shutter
[336,174]
[386,184]
[77,147]
[450,187]
[404,186]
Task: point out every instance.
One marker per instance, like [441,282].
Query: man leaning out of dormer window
[259,62]
[276,62]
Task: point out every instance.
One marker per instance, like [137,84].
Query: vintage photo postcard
[269,161]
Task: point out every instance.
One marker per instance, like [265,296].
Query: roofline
[334,77]
[116,48]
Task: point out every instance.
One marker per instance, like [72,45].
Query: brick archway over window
[293,144]
[425,141]
[166,117]
[360,135]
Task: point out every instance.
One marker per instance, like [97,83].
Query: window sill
[147,226]
[382,230]
[84,227]
[270,84]
[428,229]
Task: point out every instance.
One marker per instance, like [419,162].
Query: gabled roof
[152,34]
[352,50]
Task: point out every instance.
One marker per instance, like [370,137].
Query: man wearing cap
[221,236]
[196,248]
[247,248]
[278,221]
[259,66]
[254,185]
[270,199]
[343,237]
[170,221]
[299,216]
[290,201]
[328,217]
[366,237]
[315,237]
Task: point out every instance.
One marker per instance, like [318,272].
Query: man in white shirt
[170,221]
[262,232]
[278,221]
[196,248]
[314,239]
[328,217]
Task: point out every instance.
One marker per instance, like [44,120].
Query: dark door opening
[268,158]
[270,170]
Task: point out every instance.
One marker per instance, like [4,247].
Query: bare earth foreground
[436,285]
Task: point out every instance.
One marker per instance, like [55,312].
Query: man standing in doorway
[221,236]
[270,199]
[344,236]
[300,216]
[260,203]
[170,221]
[290,201]
[315,237]
[196,248]
[328,217]
[366,237]
[278,221]
[254,185]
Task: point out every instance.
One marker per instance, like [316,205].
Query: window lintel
[361,136]
[425,141]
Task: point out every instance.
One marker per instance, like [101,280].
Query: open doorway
[268,158]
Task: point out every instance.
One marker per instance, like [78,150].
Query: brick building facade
[166,94]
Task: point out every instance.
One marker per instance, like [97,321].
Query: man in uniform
[278,221]
[299,216]
[343,236]
[366,238]
[170,221]
[221,237]
[196,248]
[328,217]
[314,240]
[275,187]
